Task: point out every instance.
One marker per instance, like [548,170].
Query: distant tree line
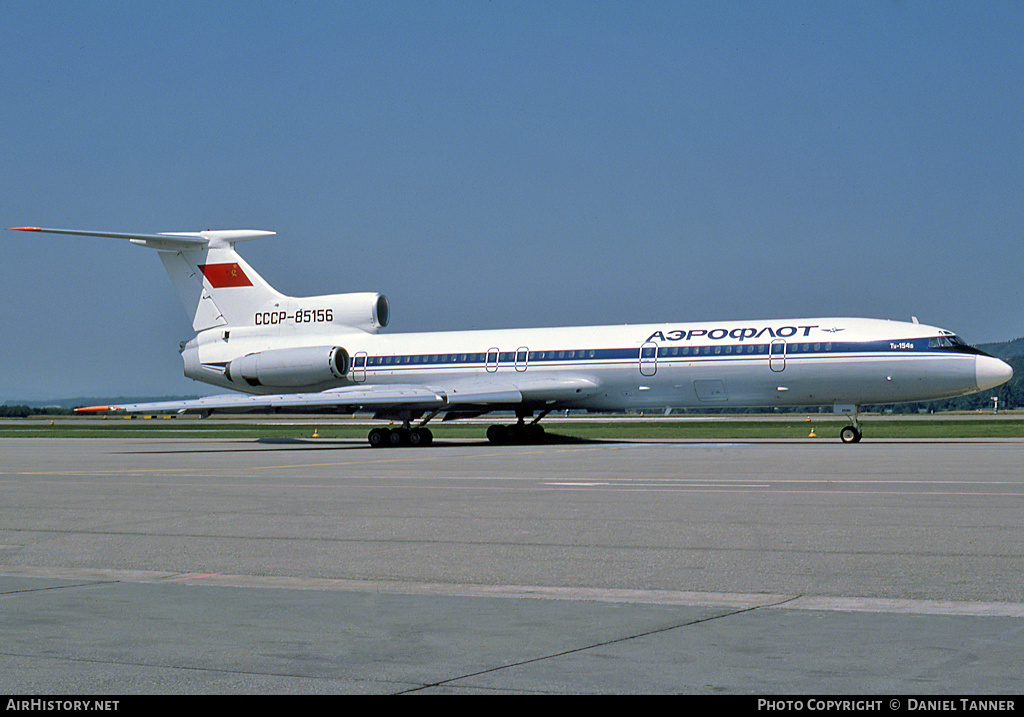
[67,406]
[23,411]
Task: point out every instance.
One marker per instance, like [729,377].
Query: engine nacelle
[290,368]
[365,311]
[368,311]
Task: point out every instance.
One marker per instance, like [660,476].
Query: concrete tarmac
[142,566]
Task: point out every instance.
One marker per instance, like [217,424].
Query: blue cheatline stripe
[662,352]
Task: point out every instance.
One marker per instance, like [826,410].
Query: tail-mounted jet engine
[290,368]
[363,310]
[366,311]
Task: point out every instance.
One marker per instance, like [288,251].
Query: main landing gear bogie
[519,433]
[516,433]
[394,437]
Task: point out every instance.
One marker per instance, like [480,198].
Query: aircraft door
[777,355]
[522,358]
[491,364]
[649,359]
[359,367]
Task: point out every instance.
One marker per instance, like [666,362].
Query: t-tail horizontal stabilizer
[167,241]
[216,286]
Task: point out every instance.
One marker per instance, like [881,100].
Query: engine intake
[290,368]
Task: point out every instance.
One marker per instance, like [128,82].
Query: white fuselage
[801,362]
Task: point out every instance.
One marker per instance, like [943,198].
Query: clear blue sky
[501,164]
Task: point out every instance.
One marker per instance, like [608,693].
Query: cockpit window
[951,342]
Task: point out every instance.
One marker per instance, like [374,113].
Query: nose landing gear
[852,433]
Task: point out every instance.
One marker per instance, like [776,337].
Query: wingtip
[97,409]
[25,229]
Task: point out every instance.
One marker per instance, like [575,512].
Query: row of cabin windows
[747,349]
[501,357]
[506,357]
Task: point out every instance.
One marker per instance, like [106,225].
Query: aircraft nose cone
[991,372]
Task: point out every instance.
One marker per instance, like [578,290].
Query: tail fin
[217,286]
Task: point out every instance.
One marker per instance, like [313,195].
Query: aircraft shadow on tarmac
[244,445]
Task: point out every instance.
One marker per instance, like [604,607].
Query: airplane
[327,353]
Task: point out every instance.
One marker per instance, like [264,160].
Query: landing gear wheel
[534,433]
[420,437]
[378,437]
[850,434]
[497,434]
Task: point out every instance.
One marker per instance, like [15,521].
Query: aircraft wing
[349,399]
[482,395]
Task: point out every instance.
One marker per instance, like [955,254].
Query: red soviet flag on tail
[223,276]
